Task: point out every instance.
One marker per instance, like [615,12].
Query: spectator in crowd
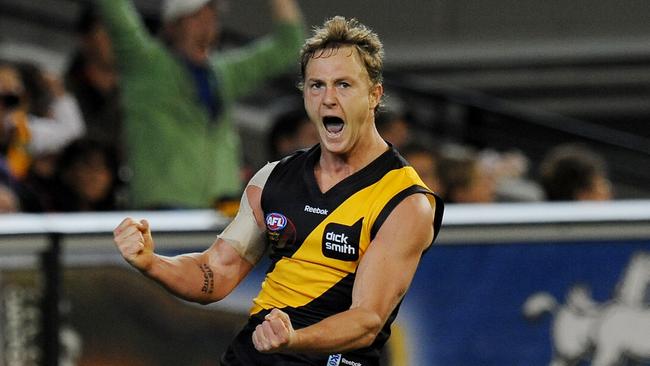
[53,115]
[14,130]
[10,89]
[38,188]
[92,78]
[425,162]
[182,146]
[9,202]
[510,171]
[38,118]
[83,177]
[463,179]
[393,127]
[574,172]
[86,178]
[291,130]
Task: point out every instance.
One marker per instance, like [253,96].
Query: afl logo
[275,221]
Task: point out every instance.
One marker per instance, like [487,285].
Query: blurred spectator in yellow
[14,129]
[182,145]
[574,172]
[10,91]
[291,130]
[54,117]
[37,119]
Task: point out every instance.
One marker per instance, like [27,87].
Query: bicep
[225,266]
[241,244]
[388,266]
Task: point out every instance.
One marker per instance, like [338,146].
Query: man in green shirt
[181,142]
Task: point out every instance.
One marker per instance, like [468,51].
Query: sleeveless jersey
[317,239]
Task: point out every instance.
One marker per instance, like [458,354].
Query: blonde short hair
[338,32]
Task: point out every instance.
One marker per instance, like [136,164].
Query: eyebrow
[337,80]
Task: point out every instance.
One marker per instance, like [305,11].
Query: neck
[333,168]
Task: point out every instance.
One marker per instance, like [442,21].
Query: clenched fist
[275,333]
[133,239]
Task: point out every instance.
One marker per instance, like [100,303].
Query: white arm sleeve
[243,233]
[53,134]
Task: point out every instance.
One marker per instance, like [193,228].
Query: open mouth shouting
[333,125]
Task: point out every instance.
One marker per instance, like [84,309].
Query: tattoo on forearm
[208,279]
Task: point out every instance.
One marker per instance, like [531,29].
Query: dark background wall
[418,29]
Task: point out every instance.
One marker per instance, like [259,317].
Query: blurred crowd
[118,131]
[461,173]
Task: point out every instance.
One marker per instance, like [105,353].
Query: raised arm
[383,276]
[286,11]
[243,69]
[200,277]
[212,274]
[130,38]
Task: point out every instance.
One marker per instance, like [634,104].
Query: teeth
[333,124]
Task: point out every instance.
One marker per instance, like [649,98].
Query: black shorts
[242,352]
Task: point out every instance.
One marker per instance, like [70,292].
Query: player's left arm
[384,274]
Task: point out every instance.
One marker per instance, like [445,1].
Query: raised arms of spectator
[128,34]
[64,125]
[286,11]
[244,68]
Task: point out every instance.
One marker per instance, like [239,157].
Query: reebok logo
[315,210]
[351,363]
[342,241]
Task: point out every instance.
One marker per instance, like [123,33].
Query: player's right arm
[200,277]
[212,274]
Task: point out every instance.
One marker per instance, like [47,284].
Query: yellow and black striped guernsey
[317,240]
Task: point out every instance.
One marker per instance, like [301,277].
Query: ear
[376,91]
